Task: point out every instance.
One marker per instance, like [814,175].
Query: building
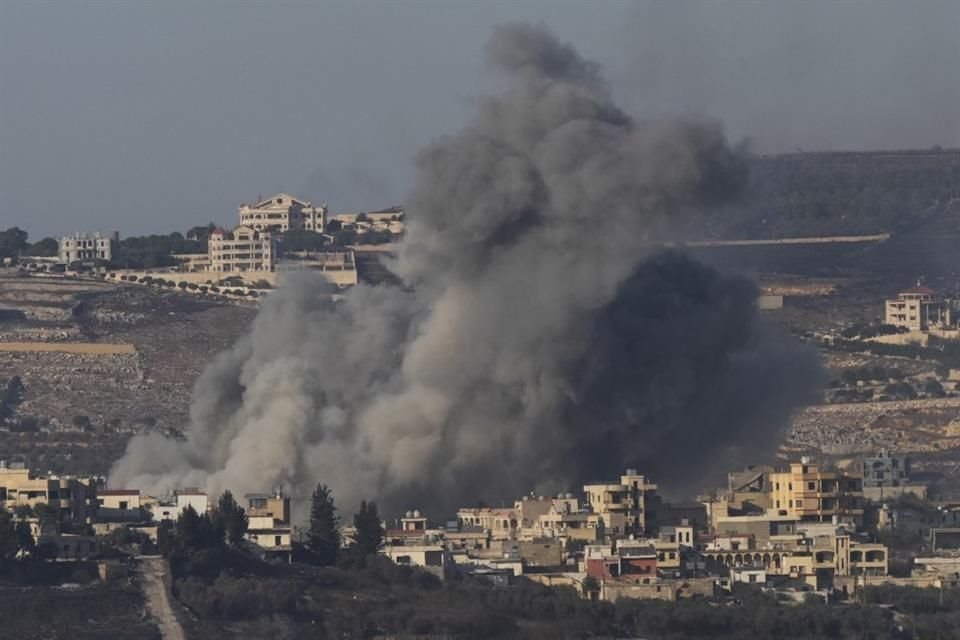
[387,220]
[919,308]
[625,506]
[243,249]
[500,523]
[888,476]
[73,497]
[809,493]
[123,505]
[269,523]
[338,267]
[281,213]
[83,247]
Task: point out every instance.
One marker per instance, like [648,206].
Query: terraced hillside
[99,362]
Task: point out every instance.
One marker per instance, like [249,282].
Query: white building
[243,249]
[85,246]
[281,213]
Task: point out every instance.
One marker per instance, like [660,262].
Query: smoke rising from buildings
[540,341]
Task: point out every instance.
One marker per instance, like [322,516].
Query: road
[156,588]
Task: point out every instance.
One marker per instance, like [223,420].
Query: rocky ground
[78,409]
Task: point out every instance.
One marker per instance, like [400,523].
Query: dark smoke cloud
[539,343]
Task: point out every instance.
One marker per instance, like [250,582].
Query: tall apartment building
[919,308]
[810,494]
[243,249]
[85,246]
[281,213]
[624,506]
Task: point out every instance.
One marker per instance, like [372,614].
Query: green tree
[25,541]
[8,537]
[12,242]
[370,532]
[46,248]
[231,518]
[323,538]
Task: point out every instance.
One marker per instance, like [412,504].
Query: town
[804,530]
[274,236]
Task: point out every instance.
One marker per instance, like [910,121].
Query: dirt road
[156,588]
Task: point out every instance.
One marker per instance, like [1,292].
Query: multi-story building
[73,497]
[268,522]
[82,247]
[809,493]
[501,523]
[888,476]
[281,213]
[243,249]
[623,506]
[919,308]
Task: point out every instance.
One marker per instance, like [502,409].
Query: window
[811,486]
[277,541]
[124,504]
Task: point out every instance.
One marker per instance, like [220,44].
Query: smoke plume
[540,340]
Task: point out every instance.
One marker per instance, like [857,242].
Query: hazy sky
[150,117]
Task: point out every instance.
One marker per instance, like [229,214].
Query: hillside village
[862,497]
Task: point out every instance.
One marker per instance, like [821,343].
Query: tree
[25,541]
[370,533]
[231,518]
[48,247]
[12,242]
[323,538]
[8,537]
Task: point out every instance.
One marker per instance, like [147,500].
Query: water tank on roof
[416,513]
[408,514]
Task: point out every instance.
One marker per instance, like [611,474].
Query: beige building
[390,220]
[919,309]
[243,249]
[73,497]
[810,494]
[623,506]
[269,524]
[281,213]
[501,523]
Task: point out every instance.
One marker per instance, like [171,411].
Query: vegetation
[814,194]
[231,518]
[323,537]
[13,243]
[369,531]
[10,396]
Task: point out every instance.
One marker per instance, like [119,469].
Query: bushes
[238,598]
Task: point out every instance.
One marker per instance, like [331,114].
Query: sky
[150,117]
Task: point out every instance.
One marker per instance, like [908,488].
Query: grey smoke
[540,340]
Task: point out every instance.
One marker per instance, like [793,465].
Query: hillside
[838,193]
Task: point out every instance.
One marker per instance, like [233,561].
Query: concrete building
[919,308]
[120,505]
[269,523]
[810,494]
[500,523]
[432,557]
[83,247]
[338,267]
[73,497]
[625,506]
[888,476]
[243,249]
[281,213]
[390,220]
